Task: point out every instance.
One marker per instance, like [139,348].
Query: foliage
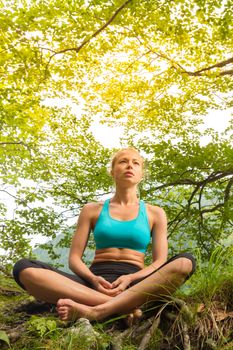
[4,337]
[155,68]
[213,279]
[41,326]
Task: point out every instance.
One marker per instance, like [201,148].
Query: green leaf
[4,337]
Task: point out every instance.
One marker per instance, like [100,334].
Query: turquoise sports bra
[112,233]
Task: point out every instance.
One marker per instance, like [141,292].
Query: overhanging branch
[14,143]
[17,143]
[199,72]
[198,191]
[86,41]
[211,178]
[217,65]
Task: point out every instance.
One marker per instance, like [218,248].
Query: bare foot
[69,310]
[133,317]
[137,313]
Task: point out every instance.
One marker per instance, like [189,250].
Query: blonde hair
[116,155]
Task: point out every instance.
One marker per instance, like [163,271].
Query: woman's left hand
[121,284]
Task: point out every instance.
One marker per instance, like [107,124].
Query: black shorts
[110,270]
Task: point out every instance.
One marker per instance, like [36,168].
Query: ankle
[100,311]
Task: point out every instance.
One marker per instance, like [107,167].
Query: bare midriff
[120,254]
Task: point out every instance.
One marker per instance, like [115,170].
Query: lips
[129,173]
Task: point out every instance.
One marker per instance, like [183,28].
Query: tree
[153,67]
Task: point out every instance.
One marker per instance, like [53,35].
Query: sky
[110,137]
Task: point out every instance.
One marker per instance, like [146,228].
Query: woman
[117,281]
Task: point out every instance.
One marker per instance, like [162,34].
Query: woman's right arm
[79,243]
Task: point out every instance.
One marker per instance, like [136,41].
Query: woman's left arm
[159,248]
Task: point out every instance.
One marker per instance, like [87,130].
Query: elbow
[72,262]
[70,265]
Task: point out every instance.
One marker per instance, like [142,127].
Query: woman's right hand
[102,285]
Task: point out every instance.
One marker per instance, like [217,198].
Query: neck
[125,196]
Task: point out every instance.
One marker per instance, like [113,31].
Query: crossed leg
[156,286]
[50,286]
[46,284]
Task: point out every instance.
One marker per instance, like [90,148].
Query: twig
[86,41]
[185,314]
[117,340]
[184,309]
[170,316]
[149,333]
[186,339]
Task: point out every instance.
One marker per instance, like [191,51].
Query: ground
[176,324]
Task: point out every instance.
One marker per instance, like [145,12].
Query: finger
[106,291]
[116,283]
[116,291]
[102,289]
[105,283]
[112,292]
[122,286]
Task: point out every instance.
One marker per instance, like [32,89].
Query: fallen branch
[184,309]
[186,339]
[117,340]
[149,333]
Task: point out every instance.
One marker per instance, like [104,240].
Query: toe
[137,313]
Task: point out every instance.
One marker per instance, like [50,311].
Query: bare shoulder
[92,205]
[158,220]
[156,214]
[156,210]
[92,208]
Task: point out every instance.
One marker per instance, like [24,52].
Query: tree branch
[77,49]
[219,205]
[199,72]
[175,226]
[199,187]
[226,72]
[227,190]
[211,178]
[17,143]
[217,65]
[226,198]
[14,143]
[201,212]
[86,41]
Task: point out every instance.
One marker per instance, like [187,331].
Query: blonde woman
[117,281]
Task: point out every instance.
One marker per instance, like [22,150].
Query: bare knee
[182,266]
[28,275]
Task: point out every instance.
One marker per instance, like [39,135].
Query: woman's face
[128,167]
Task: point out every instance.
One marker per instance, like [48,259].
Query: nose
[130,165]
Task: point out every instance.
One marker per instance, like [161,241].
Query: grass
[212,278]
[209,294]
